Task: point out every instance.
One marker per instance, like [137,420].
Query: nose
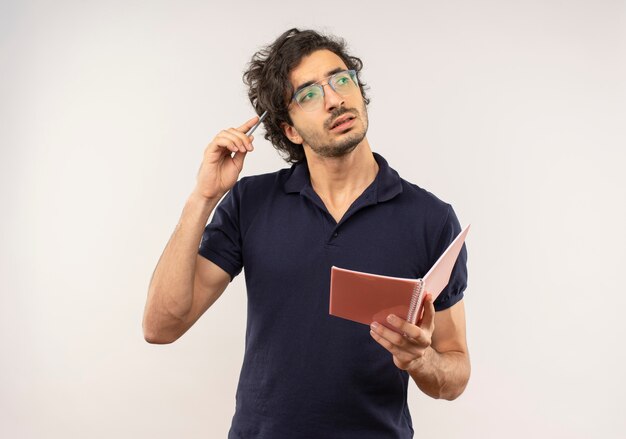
[332,99]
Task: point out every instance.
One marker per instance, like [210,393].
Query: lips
[341,119]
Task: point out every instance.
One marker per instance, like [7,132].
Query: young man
[306,373]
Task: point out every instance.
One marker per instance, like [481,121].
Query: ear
[291,133]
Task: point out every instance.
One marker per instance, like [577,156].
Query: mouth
[342,121]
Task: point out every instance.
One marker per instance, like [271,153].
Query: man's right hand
[220,169]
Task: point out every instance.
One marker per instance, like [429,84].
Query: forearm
[170,294]
[441,375]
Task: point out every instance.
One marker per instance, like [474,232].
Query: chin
[344,147]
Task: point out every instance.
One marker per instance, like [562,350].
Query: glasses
[311,97]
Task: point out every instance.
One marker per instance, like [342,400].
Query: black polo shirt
[307,374]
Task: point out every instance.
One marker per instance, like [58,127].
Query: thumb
[428,319]
[238,159]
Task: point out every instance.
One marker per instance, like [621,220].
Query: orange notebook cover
[366,297]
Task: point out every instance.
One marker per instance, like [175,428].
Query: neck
[340,179]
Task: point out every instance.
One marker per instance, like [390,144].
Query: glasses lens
[310,97]
[344,82]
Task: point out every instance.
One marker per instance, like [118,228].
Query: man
[307,374]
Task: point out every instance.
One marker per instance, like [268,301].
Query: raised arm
[184,284]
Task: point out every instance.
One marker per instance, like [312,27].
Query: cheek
[311,127]
[364,112]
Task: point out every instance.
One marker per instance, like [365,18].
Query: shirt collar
[388,183]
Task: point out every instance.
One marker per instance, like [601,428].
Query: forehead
[315,67]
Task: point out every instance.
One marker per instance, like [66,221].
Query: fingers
[249,124]
[400,347]
[410,342]
[407,333]
[234,140]
[390,346]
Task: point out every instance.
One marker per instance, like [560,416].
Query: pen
[251,130]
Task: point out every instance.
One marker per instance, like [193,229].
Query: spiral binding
[415,301]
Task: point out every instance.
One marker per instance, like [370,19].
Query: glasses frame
[328,82]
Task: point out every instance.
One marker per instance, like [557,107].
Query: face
[316,130]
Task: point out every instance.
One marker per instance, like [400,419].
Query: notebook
[366,297]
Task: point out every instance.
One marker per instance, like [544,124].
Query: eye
[307,94]
[342,80]
[304,97]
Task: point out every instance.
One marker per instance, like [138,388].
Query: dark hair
[267,78]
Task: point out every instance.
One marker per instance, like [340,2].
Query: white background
[513,112]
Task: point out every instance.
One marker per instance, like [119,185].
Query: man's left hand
[411,344]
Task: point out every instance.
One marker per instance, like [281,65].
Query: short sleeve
[453,292]
[221,239]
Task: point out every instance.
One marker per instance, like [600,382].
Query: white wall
[515,115]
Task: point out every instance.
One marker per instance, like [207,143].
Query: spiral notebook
[366,297]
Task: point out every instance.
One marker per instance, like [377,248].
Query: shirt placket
[332,229]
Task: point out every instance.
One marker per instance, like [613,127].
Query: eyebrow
[329,73]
